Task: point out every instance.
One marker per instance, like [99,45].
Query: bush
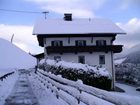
[128,73]
[89,77]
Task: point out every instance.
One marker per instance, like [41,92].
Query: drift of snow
[12,57]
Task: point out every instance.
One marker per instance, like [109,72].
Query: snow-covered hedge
[91,75]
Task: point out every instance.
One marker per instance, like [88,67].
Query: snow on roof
[76,26]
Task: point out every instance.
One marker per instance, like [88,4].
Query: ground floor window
[81,59]
[57,58]
[101,59]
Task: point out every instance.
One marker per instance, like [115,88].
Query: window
[100,42]
[80,43]
[81,59]
[57,58]
[101,59]
[57,43]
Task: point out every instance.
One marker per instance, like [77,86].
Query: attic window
[68,17]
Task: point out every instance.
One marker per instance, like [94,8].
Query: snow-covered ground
[22,93]
[6,87]
[45,96]
[12,57]
[129,90]
[131,95]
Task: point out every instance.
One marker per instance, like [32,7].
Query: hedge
[88,77]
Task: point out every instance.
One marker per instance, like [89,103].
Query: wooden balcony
[90,49]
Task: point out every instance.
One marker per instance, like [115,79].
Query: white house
[87,41]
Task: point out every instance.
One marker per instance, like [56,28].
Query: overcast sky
[125,13]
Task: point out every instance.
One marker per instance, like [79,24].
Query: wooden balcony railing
[77,49]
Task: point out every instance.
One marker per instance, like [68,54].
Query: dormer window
[80,43]
[100,42]
[57,43]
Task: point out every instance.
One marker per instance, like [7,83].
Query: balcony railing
[77,49]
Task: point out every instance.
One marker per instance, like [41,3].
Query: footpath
[22,93]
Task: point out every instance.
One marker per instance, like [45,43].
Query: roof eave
[77,33]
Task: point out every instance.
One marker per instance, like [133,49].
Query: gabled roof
[76,26]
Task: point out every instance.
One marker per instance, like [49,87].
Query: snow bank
[13,57]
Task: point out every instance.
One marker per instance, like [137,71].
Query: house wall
[90,58]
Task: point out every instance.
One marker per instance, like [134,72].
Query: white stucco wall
[91,59]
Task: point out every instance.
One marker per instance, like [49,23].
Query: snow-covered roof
[76,26]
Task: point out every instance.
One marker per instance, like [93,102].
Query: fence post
[78,99]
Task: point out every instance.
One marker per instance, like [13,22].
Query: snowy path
[130,90]
[22,93]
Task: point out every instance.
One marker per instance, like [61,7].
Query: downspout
[113,72]
[45,50]
[113,69]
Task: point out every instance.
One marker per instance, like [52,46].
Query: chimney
[68,17]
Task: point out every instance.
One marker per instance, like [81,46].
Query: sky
[125,13]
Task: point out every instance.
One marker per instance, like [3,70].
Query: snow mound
[12,57]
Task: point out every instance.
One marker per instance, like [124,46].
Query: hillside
[131,55]
[133,58]
[12,57]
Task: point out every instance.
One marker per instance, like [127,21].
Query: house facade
[88,41]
